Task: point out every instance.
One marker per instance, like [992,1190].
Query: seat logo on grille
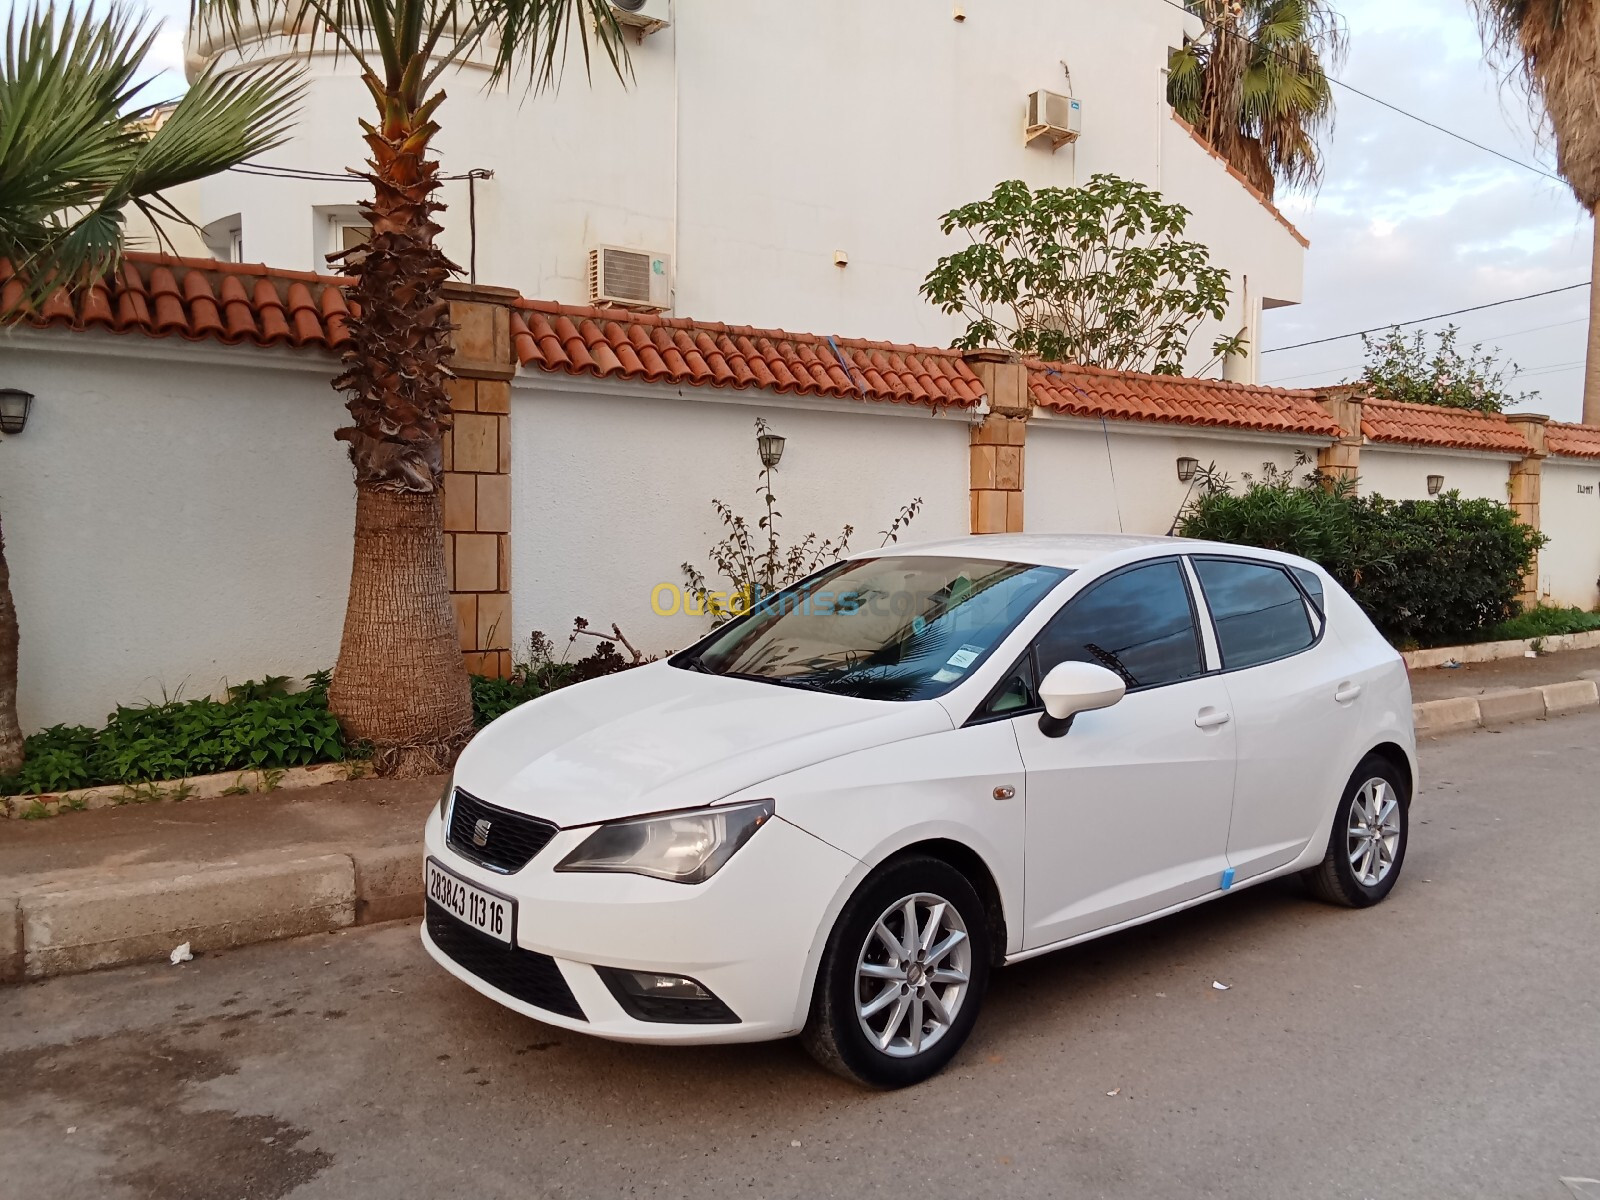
[480,832]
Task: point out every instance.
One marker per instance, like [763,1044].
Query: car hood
[658,737]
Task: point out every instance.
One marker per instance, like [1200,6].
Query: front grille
[509,839]
[531,977]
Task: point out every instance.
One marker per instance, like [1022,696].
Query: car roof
[1070,550]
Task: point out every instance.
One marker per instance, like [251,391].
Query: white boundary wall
[1570,565]
[177,515]
[611,490]
[1088,477]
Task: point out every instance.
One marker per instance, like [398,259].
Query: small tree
[1402,368]
[1099,275]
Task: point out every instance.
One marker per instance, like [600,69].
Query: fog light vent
[665,999]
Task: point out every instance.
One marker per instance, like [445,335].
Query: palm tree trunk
[400,682]
[1591,373]
[10,729]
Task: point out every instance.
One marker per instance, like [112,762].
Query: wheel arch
[971,864]
[1395,755]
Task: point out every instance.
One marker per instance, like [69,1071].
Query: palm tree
[400,682]
[78,148]
[1256,86]
[1552,45]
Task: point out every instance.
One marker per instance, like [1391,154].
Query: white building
[785,163]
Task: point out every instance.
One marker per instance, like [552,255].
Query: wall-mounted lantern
[14,406]
[771,447]
[1186,469]
[1435,484]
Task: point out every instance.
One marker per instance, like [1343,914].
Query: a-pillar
[1342,460]
[1526,478]
[477,475]
[1000,443]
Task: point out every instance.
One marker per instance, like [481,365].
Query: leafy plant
[756,562]
[1428,572]
[542,672]
[1402,368]
[1098,274]
[1543,621]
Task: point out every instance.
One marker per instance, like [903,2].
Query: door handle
[1347,692]
[1210,718]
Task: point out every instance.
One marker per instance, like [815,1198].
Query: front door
[1128,811]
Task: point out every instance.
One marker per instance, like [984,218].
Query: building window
[339,230]
[224,239]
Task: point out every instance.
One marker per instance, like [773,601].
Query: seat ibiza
[838,813]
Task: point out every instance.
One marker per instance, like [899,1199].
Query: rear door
[1294,711]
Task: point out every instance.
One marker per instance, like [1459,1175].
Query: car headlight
[684,847]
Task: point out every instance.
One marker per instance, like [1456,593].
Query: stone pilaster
[1526,481]
[1342,460]
[999,444]
[477,475]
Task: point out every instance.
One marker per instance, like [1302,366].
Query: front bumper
[750,934]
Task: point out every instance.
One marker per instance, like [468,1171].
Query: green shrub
[541,673]
[261,725]
[1544,621]
[1428,572]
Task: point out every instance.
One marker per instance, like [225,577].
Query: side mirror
[1074,687]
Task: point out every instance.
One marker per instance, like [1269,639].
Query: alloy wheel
[912,975]
[1373,833]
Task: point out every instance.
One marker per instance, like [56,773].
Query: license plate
[483,910]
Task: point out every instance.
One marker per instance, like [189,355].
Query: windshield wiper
[694,663]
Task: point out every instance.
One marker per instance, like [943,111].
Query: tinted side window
[1138,623]
[1259,613]
[1313,586]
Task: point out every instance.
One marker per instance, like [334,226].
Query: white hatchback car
[836,814]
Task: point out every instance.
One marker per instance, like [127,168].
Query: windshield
[895,628]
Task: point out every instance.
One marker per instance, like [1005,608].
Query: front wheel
[902,976]
[1368,843]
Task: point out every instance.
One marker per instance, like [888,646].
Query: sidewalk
[115,885]
[128,884]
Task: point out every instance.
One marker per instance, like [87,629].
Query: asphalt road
[1444,1044]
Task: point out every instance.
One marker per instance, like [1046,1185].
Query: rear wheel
[1368,843]
[902,976]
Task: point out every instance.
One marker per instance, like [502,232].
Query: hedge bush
[260,725]
[1428,572]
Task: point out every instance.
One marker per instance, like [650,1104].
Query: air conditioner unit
[1056,118]
[644,16]
[630,278]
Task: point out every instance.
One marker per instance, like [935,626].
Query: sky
[1408,222]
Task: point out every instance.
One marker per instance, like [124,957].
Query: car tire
[1367,846]
[940,986]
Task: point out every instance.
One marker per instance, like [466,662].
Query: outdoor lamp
[771,447]
[14,406]
[1435,482]
[1186,469]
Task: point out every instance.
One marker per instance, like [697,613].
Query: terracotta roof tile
[615,343]
[1242,181]
[1577,441]
[1133,396]
[1430,425]
[202,299]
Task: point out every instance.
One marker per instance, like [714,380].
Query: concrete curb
[83,920]
[199,787]
[1420,660]
[1502,708]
